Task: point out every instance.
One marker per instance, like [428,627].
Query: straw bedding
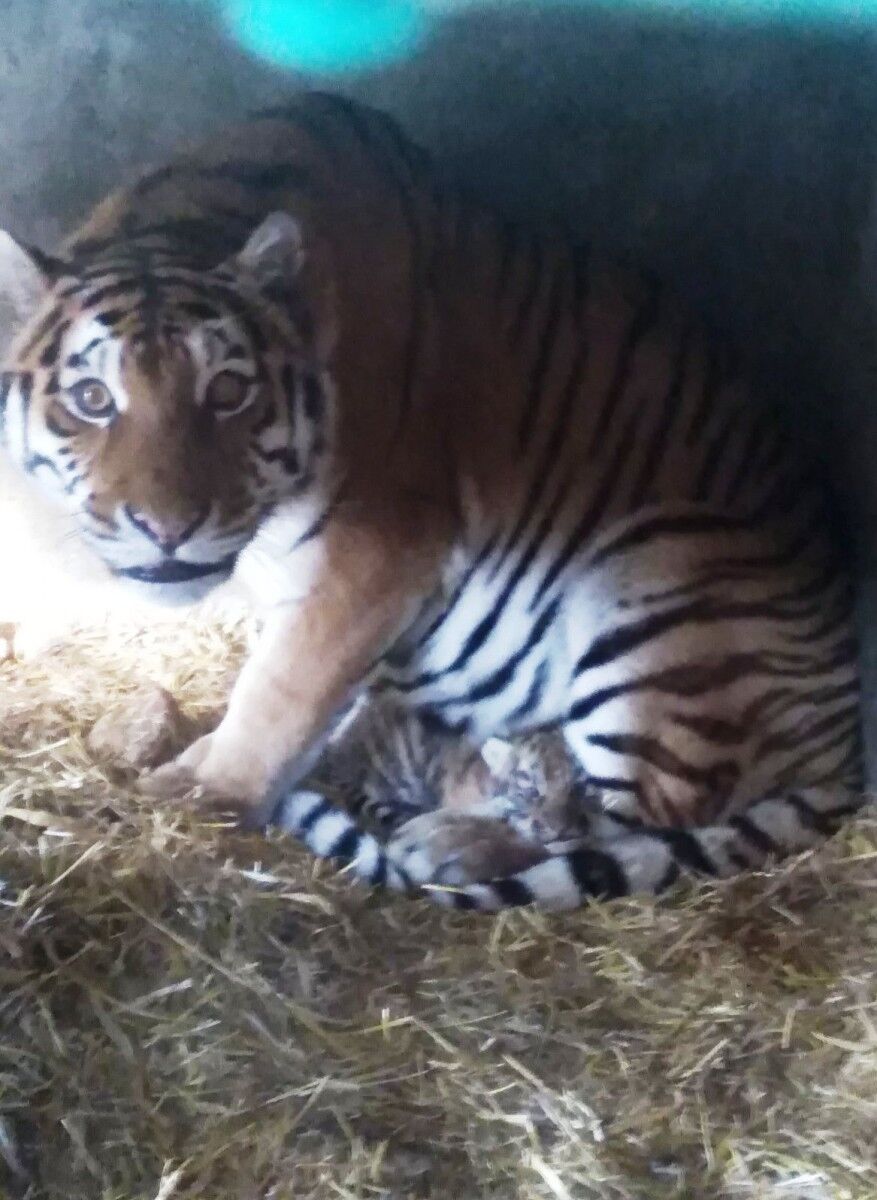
[187,1012]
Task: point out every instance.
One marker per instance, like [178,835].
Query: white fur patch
[276,567]
[326,832]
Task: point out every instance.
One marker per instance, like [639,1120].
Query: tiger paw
[456,849]
[199,779]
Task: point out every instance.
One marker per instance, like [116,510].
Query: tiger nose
[166,532]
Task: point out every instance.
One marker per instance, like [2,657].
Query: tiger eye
[227,393]
[91,400]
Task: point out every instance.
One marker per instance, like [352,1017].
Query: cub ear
[498,754]
[25,276]
[294,275]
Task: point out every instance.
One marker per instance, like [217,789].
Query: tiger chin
[495,476]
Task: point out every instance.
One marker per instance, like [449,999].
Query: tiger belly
[684,688]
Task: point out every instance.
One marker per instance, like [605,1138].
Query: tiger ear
[25,278]
[294,275]
[275,249]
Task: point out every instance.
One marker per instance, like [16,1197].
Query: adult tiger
[509,482]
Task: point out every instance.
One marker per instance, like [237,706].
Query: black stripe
[716,730]
[667,419]
[712,380]
[533,697]
[317,527]
[811,818]
[43,330]
[754,835]
[149,182]
[36,461]
[550,455]
[109,291]
[6,381]
[684,525]
[686,849]
[320,810]
[642,323]
[257,176]
[608,647]
[846,736]
[363,124]
[682,681]
[52,349]
[806,732]
[314,399]
[79,359]
[505,675]
[744,466]
[113,317]
[669,878]
[512,892]
[607,783]
[438,621]
[542,363]
[266,420]
[487,624]
[414,158]
[25,391]
[285,455]
[87,246]
[195,239]
[718,446]
[290,394]
[597,875]
[589,521]
[653,751]
[378,875]
[59,430]
[612,645]
[347,845]
[201,310]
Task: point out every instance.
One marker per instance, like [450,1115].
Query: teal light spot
[326,35]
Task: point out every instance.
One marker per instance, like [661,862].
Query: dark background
[736,159]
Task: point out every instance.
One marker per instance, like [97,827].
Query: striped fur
[508,483]
[451,820]
[625,858]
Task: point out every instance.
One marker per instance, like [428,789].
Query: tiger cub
[505,482]
[388,769]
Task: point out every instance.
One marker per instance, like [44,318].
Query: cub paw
[455,849]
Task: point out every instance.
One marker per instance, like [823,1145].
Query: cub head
[168,409]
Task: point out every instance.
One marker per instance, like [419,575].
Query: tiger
[485,470]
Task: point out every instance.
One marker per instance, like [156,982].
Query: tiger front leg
[276,711]
[309,661]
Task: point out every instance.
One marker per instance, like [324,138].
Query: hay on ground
[189,1013]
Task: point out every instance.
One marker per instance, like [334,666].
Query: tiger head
[169,409]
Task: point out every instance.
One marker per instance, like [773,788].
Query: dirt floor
[189,1013]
